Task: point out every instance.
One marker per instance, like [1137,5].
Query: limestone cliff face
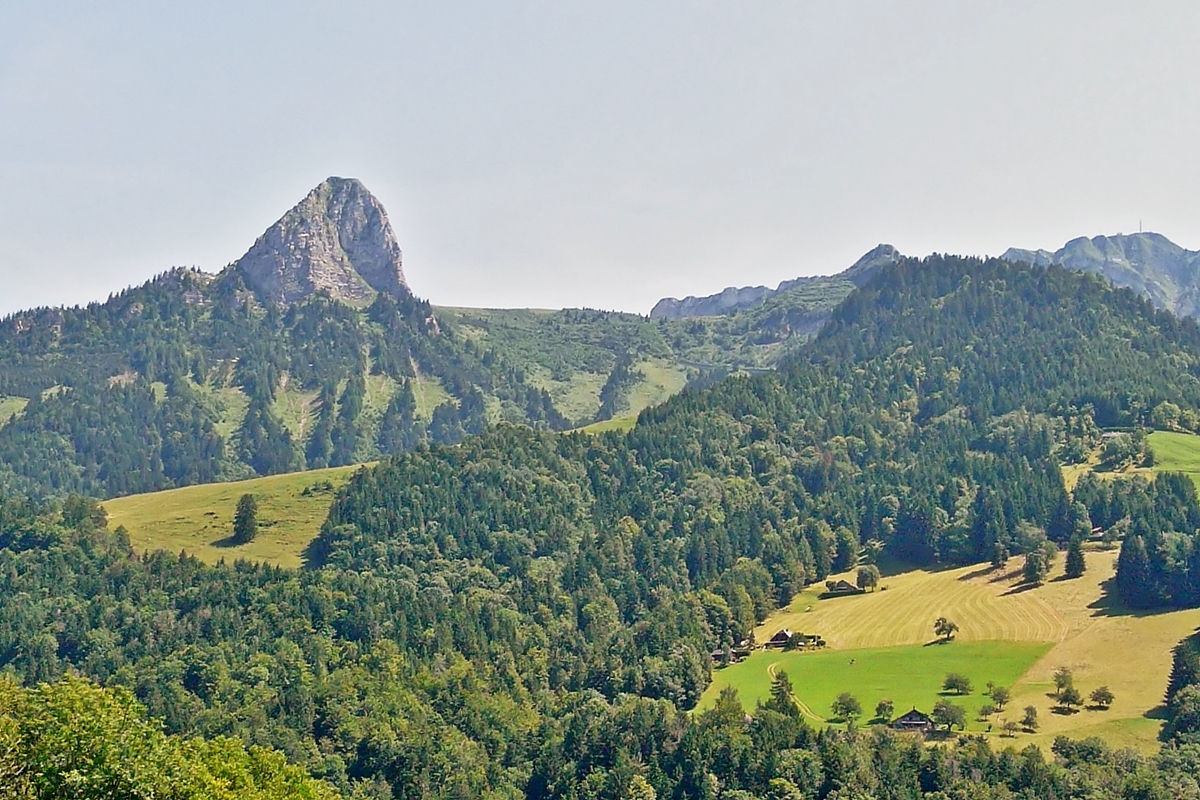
[336,239]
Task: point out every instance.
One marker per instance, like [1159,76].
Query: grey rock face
[336,239]
[730,300]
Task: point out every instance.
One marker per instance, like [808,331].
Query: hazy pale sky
[599,154]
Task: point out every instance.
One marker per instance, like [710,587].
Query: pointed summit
[337,238]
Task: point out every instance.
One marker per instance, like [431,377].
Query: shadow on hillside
[227,542]
[997,574]
[938,641]
[979,573]
[1109,604]
[1021,587]
[314,554]
[890,567]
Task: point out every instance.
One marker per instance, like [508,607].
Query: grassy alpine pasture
[199,519]
[1004,630]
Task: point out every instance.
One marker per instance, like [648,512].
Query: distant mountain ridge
[1148,263]
[734,299]
[337,239]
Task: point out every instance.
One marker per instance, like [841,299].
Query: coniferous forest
[502,610]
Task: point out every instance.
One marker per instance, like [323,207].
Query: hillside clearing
[1080,625]
[199,519]
[623,423]
[1176,452]
[10,407]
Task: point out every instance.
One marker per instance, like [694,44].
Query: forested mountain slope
[193,378]
[528,612]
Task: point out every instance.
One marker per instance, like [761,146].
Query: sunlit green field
[1176,452]
[911,677]
[199,519]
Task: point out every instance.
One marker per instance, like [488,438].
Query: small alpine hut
[839,587]
[914,720]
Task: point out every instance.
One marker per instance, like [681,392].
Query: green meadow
[911,676]
[1176,452]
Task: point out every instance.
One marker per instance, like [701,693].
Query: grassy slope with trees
[529,612]
[199,519]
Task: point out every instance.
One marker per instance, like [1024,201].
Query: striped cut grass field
[1078,624]
[199,519]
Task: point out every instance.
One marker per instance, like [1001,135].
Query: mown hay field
[199,519]
[1063,623]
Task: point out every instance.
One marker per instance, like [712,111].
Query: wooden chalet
[839,587]
[914,720]
[780,639]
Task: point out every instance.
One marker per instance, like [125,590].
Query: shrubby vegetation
[73,739]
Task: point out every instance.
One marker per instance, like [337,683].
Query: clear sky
[601,154]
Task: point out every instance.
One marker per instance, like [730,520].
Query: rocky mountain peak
[1148,263]
[336,239]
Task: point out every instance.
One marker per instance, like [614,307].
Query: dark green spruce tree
[1133,573]
[1076,565]
[245,520]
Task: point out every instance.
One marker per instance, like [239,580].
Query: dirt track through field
[804,709]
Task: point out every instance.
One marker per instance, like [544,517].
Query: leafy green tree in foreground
[1063,679]
[1030,721]
[74,739]
[245,520]
[945,628]
[846,707]
[885,710]
[1102,697]
[868,577]
[1036,569]
[959,684]
[949,714]
[1000,696]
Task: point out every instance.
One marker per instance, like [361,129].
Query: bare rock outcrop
[337,239]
